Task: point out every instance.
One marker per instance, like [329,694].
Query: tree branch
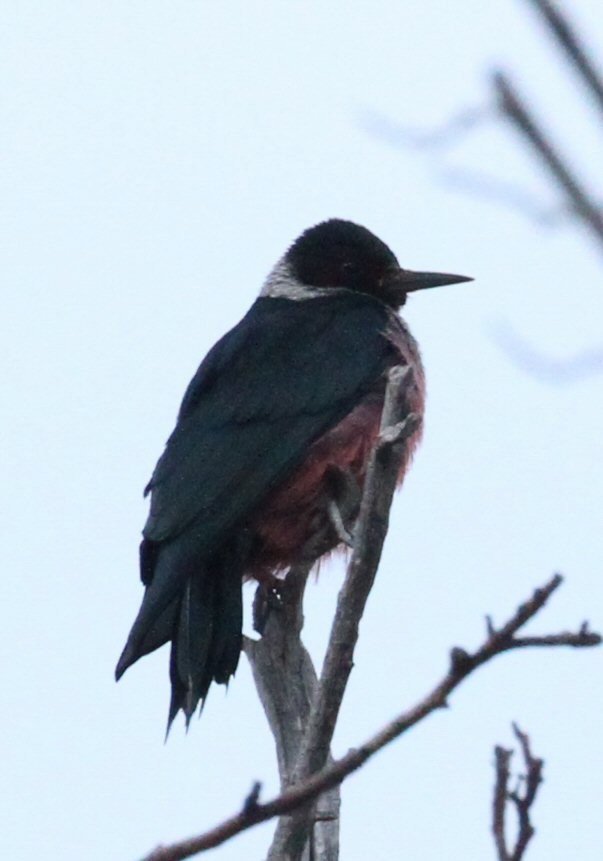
[512,106]
[462,664]
[571,43]
[286,683]
[499,808]
[371,528]
[441,138]
[504,193]
[522,801]
[549,369]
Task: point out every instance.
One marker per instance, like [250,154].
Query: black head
[339,253]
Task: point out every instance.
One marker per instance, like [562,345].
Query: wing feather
[283,376]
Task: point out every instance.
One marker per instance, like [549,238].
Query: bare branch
[462,664]
[283,672]
[513,107]
[522,801]
[583,638]
[286,683]
[499,807]
[571,43]
[301,717]
[504,193]
[371,528]
[400,135]
[549,369]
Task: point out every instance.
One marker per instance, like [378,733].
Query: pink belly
[295,510]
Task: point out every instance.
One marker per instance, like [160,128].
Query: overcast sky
[156,159]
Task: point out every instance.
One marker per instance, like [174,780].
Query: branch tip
[251,802]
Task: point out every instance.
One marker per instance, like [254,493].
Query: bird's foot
[268,597]
[336,521]
[343,502]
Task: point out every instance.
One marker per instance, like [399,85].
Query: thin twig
[567,638]
[504,193]
[441,138]
[514,108]
[549,369]
[521,800]
[502,758]
[573,46]
[462,664]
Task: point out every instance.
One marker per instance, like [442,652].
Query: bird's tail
[206,643]
[199,609]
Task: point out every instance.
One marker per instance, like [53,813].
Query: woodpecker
[288,399]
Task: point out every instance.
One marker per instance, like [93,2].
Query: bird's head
[338,253]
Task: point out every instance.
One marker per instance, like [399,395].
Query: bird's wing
[284,375]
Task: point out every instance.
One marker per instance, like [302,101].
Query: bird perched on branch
[273,436]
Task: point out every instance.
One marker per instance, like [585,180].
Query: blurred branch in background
[522,798]
[514,108]
[511,105]
[569,41]
[442,138]
[577,201]
[462,664]
[547,369]
[504,193]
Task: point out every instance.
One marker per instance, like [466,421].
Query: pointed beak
[398,283]
[410,281]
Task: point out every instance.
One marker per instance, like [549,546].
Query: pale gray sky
[156,159]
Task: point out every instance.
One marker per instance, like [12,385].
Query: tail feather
[199,608]
[207,641]
[228,608]
[162,591]
[191,646]
[161,631]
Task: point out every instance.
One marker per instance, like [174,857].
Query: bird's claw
[268,597]
[338,525]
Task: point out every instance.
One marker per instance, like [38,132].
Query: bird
[277,422]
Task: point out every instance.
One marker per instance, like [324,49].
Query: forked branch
[462,664]
[522,798]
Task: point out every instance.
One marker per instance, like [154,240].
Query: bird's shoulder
[286,353]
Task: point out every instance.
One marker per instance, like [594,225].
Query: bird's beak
[409,281]
[398,283]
